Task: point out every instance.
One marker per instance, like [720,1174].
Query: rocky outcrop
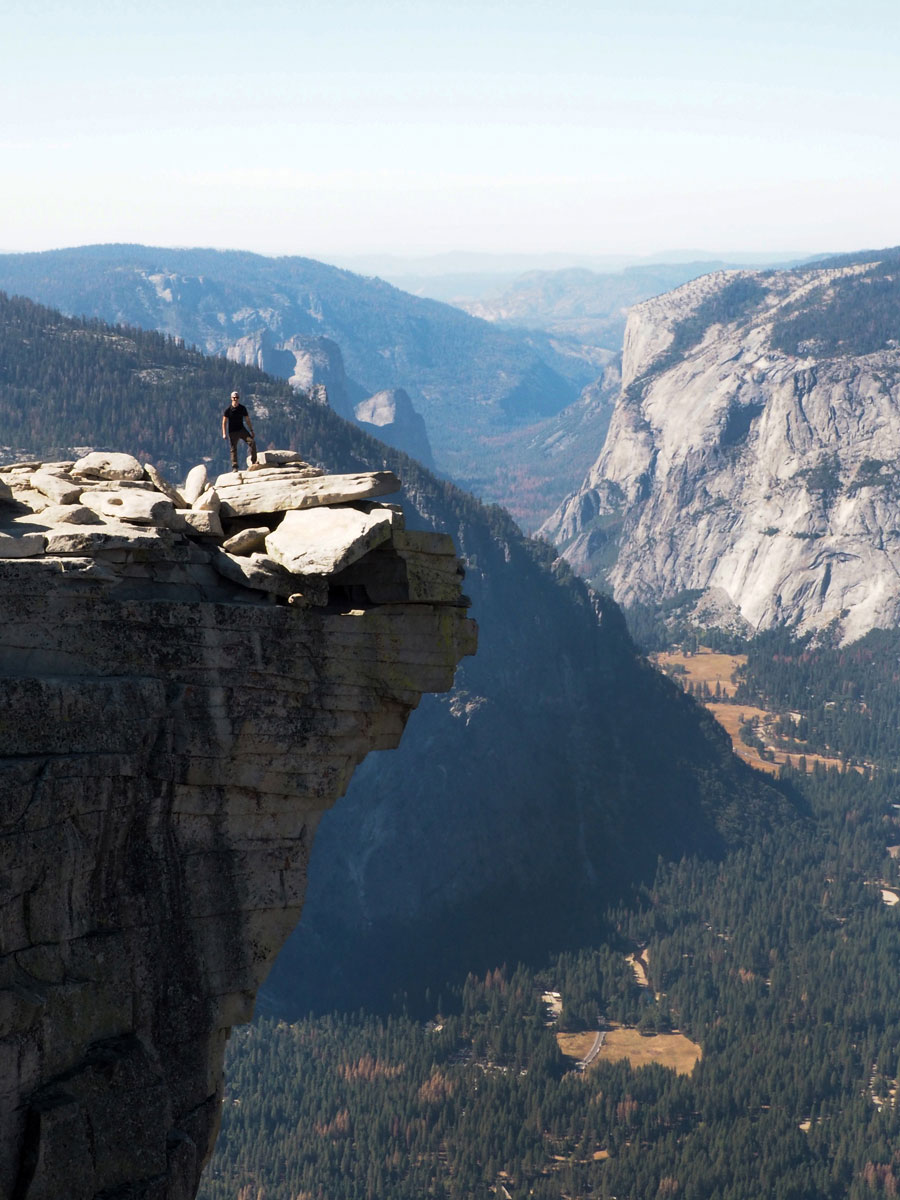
[177,715]
[752,453]
[307,363]
[390,416]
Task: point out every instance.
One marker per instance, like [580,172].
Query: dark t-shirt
[235,414]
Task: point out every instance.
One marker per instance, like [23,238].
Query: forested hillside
[777,964]
[477,386]
[531,793]
[780,962]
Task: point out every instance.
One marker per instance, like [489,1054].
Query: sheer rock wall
[763,479]
[168,741]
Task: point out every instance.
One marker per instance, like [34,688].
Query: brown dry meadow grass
[576,1045]
[730,716]
[705,667]
[672,1050]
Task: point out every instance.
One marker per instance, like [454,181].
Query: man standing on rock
[233,428]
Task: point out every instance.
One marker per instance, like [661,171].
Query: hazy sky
[341,127]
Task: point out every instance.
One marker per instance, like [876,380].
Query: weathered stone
[247,541]
[169,742]
[275,458]
[135,507]
[262,495]
[258,572]
[103,465]
[70,514]
[56,489]
[324,540]
[424,541]
[121,485]
[5,491]
[162,484]
[290,471]
[761,479]
[24,546]
[208,501]
[110,535]
[195,484]
[400,573]
[391,417]
[23,493]
[201,521]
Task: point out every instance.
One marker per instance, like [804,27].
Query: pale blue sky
[394,127]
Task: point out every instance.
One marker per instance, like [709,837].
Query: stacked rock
[285,529]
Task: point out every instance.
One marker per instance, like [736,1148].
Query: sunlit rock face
[172,730]
[390,416]
[752,453]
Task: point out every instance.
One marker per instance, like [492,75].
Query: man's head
[235,398]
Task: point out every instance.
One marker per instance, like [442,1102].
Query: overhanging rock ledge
[176,716]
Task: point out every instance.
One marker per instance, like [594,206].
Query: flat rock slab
[289,471]
[262,495]
[100,465]
[55,488]
[26,546]
[321,541]
[275,458]
[111,536]
[70,514]
[132,505]
[119,485]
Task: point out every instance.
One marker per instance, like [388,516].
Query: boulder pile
[283,530]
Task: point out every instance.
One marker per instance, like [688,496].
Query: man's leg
[233,436]
[251,446]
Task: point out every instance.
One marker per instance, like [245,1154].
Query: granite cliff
[752,454]
[190,676]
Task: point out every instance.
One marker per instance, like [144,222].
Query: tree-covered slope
[555,773]
[469,379]
[779,965]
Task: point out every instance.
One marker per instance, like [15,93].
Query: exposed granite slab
[104,465]
[324,540]
[259,495]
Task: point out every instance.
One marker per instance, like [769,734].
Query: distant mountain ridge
[752,455]
[471,382]
[582,304]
